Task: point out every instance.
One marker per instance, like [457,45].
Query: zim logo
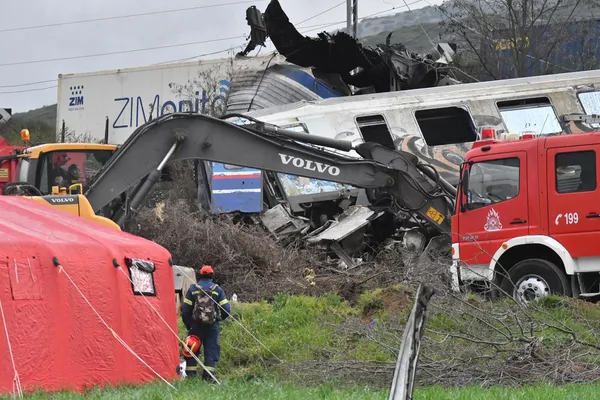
[76,98]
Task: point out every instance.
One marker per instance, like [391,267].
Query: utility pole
[352,17]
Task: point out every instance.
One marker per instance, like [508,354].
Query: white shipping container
[126,96]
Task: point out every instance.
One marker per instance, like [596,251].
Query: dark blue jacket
[190,298]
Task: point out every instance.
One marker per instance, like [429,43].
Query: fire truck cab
[528,216]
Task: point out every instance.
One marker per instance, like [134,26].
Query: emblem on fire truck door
[493,221]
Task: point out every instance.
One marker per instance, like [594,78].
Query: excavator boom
[179,136]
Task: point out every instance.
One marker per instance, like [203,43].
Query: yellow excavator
[76,204]
[54,173]
[50,164]
[116,182]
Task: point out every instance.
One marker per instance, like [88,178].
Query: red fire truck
[528,216]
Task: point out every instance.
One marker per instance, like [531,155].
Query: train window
[590,101]
[373,128]
[446,125]
[531,114]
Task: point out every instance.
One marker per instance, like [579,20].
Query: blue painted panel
[235,189]
[240,188]
[244,202]
[309,82]
[233,183]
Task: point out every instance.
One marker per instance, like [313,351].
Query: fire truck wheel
[535,278]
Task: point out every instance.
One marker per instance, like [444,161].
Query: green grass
[537,392]
[194,389]
[270,389]
[289,329]
[300,330]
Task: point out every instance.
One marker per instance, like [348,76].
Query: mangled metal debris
[345,236]
[341,222]
[353,220]
[282,224]
[334,58]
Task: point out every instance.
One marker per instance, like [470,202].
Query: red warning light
[488,134]
[528,136]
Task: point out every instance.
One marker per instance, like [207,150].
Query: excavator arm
[414,187]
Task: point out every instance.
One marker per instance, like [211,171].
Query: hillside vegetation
[41,123]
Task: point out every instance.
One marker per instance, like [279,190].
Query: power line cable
[27,84]
[164,62]
[83,21]
[299,23]
[119,52]
[141,49]
[421,35]
[29,90]
[54,80]
[319,26]
[366,16]
[198,56]
[321,13]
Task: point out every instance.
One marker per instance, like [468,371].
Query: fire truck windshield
[491,182]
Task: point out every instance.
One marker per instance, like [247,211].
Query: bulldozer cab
[63,164]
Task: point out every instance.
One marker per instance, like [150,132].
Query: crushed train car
[334,57]
[325,214]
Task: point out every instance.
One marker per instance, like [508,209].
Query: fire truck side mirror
[465,181]
[465,189]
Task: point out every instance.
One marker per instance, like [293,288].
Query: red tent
[57,339]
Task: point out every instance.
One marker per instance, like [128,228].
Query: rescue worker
[73,175]
[203,307]
[59,172]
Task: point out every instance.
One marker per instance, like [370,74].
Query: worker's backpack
[205,309]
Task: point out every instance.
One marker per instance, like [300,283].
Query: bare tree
[208,91]
[72,136]
[516,38]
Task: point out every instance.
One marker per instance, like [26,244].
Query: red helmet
[205,270]
[193,343]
